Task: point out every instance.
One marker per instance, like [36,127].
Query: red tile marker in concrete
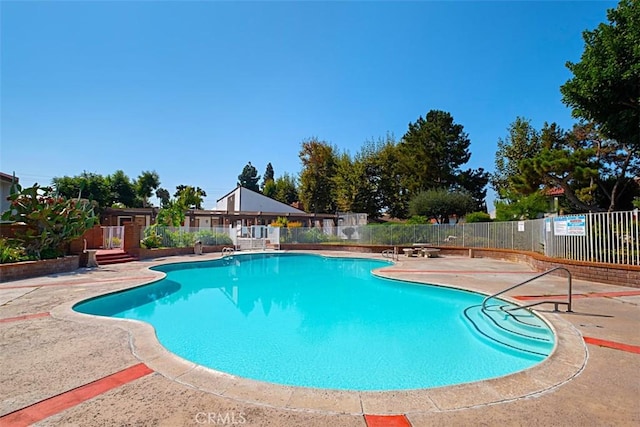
[612,344]
[24,317]
[386,421]
[53,405]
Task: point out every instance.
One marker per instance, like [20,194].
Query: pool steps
[520,331]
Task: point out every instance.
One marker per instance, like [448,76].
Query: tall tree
[474,182]
[522,142]
[316,178]
[357,182]
[394,197]
[605,87]
[145,184]
[123,190]
[268,176]
[190,197]
[163,195]
[270,189]
[249,178]
[432,151]
[87,185]
[286,190]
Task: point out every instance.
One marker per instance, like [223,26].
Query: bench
[430,252]
[408,252]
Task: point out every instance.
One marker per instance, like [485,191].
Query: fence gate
[113,237]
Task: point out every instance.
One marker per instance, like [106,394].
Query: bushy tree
[605,87]
[357,183]
[441,204]
[190,197]
[123,190]
[562,162]
[173,214]
[249,178]
[477,217]
[316,178]
[513,208]
[286,190]
[87,185]
[145,184]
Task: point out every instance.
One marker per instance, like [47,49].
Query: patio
[62,368]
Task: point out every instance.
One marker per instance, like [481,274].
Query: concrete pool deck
[64,368]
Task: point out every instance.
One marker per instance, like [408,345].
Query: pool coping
[567,360]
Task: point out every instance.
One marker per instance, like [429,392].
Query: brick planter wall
[28,269]
[612,274]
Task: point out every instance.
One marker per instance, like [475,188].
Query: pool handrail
[556,303]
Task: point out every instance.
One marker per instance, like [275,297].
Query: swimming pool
[313,321]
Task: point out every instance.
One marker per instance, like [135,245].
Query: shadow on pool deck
[48,351]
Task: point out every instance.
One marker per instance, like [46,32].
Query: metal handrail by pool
[556,303]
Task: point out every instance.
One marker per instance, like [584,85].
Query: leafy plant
[10,252]
[50,221]
[208,237]
[151,241]
[477,217]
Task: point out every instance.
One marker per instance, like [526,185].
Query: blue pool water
[312,321]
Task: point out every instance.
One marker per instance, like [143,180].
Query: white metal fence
[113,237]
[598,237]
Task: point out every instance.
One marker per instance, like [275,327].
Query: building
[6,181]
[239,207]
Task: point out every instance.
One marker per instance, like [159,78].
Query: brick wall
[8,230]
[612,274]
[28,269]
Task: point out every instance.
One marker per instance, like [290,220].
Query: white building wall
[5,190]
[253,202]
[221,204]
[250,201]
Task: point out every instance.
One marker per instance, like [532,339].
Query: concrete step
[114,258]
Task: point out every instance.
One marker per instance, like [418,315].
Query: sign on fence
[575,225]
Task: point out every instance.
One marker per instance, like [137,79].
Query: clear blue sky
[195,90]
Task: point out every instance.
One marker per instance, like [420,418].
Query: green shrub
[181,239]
[209,238]
[477,217]
[151,241]
[11,252]
[418,219]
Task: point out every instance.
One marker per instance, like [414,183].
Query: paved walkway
[62,368]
